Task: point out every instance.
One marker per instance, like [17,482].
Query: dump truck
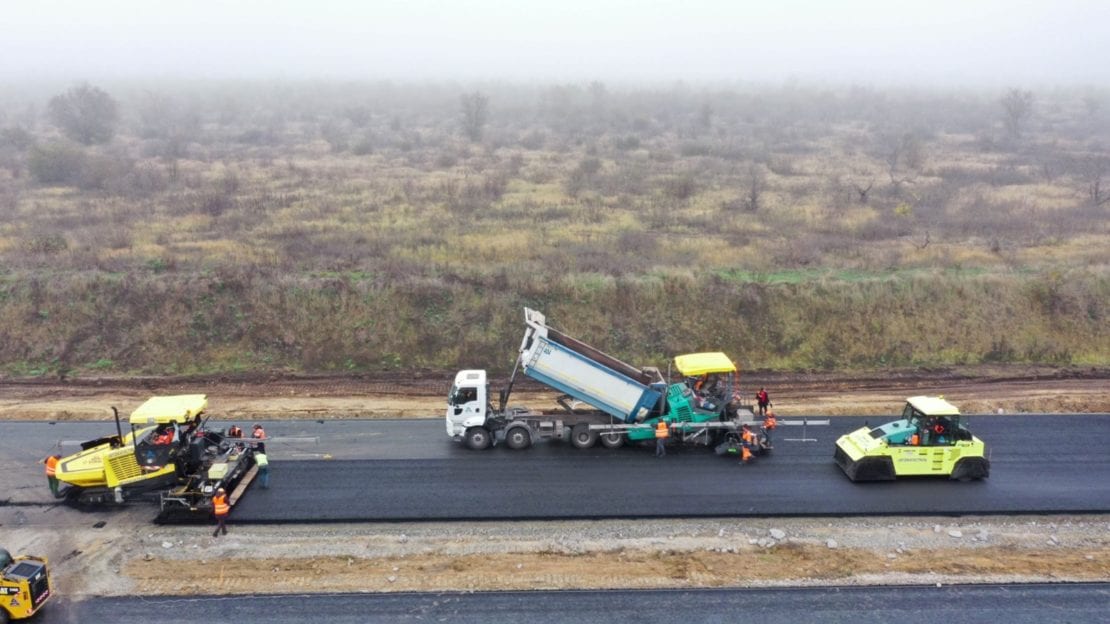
[168,456]
[930,439]
[622,402]
[25,586]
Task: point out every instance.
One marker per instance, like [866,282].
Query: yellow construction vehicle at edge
[24,586]
[168,455]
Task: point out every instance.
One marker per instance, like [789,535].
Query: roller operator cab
[931,439]
[24,586]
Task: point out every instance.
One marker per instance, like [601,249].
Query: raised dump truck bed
[587,374]
[625,402]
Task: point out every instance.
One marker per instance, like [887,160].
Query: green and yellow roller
[930,439]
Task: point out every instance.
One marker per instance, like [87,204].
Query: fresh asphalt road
[1039,464]
[411,470]
[1013,604]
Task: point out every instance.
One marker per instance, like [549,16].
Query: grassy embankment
[788,242]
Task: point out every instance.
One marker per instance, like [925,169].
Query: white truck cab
[467,403]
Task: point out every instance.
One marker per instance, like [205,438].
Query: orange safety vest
[915,440]
[220,506]
[51,466]
[770,422]
[748,436]
[661,430]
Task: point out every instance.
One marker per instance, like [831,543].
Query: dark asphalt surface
[411,470]
[1044,464]
[966,604]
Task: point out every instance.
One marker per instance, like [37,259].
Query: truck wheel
[478,438]
[612,439]
[582,436]
[518,438]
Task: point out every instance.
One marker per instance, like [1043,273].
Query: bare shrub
[1017,107]
[56,163]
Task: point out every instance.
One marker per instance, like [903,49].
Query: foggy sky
[938,42]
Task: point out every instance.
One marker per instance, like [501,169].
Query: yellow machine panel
[695,364]
[178,409]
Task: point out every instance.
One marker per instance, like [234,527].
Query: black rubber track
[960,604]
[1045,464]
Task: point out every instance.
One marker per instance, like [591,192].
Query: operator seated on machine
[163,435]
[933,432]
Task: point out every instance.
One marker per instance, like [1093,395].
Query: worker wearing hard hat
[221,509]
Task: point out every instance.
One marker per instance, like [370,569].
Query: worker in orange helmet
[662,432]
[221,509]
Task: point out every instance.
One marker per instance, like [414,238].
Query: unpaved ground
[123,560]
[978,390]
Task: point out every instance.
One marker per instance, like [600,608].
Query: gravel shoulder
[121,559]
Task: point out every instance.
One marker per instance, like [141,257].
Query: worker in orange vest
[51,462]
[662,432]
[747,439]
[769,424]
[220,508]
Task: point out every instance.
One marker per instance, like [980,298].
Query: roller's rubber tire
[971,469]
[582,437]
[871,469]
[478,438]
[518,438]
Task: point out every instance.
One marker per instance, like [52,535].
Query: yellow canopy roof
[694,364]
[933,406]
[180,409]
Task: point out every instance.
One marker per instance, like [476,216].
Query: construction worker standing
[662,432]
[769,424]
[763,400]
[221,509]
[259,434]
[51,462]
[263,464]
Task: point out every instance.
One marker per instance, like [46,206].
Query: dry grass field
[368,227]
